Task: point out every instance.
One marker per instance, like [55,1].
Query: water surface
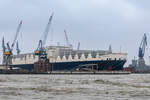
[75,87]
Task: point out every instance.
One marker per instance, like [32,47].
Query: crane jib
[142,46]
[45,34]
[16,35]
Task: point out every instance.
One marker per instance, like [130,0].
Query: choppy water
[75,87]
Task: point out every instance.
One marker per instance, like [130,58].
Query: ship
[63,58]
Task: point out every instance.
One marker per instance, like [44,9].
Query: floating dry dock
[66,72]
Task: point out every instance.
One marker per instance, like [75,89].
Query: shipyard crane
[67,40]
[7,51]
[66,37]
[142,46]
[78,47]
[17,48]
[110,49]
[3,45]
[4,49]
[40,51]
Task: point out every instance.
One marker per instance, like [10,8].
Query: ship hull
[61,66]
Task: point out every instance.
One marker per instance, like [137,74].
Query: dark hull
[60,66]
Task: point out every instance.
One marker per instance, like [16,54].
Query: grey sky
[95,23]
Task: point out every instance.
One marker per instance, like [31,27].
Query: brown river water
[75,87]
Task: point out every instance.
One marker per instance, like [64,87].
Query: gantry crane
[141,66]
[40,51]
[7,50]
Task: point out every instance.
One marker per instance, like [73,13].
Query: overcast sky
[94,23]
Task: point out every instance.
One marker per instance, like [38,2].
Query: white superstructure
[65,54]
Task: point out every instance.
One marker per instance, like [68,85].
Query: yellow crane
[7,50]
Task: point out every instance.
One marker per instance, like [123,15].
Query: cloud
[95,23]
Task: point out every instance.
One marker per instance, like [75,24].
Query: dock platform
[66,72]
